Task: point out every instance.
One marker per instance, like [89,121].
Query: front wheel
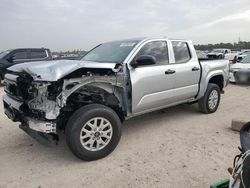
[93,132]
[210,101]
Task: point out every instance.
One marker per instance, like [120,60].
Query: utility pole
[239,44]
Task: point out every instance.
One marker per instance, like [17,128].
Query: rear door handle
[170,71]
[195,69]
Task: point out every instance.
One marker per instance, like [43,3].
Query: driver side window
[157,49]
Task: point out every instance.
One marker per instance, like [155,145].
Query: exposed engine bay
[45,106]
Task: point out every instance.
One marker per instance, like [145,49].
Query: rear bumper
[13,112]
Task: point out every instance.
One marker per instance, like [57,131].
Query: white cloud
[231,18]
[81,24]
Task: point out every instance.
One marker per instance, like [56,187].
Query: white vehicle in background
[242,55]
[240,71]
[222,53]
[201,54]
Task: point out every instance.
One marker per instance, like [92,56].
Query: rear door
[152,85]
[187,71]
[38,55]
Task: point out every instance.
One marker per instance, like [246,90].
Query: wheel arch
[97,93]
[218,80]
[216,77]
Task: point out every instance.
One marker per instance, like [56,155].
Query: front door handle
[195,69]
[170,71]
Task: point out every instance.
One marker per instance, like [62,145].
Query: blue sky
[81,24]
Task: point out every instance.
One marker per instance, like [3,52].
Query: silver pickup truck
[90,98]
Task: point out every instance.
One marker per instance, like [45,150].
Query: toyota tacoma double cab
[90,98]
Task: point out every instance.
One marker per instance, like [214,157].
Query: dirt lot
[179,147]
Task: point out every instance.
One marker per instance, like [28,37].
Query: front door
[152,85]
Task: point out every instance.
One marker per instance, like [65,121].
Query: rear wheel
[93,132]
[210,101]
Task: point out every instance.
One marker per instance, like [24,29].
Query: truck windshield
[114,52]
[4,53]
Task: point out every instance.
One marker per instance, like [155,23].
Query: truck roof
[140,39]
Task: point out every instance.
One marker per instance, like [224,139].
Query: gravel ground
[177,147]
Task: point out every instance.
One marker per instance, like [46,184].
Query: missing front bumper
[13,112]
[42,126]
[43,138]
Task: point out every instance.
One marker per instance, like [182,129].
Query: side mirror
[144,60]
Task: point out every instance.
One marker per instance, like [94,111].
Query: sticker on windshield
[127,44]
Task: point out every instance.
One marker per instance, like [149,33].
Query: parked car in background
[68,57]
[89,99]
[222,53]
[201,54]
[242,55]
[240,71]
[16,56]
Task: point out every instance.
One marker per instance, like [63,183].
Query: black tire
[77,121]
[204,101]
[1,81]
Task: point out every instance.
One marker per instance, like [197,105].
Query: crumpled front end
[44,106]
[28,103]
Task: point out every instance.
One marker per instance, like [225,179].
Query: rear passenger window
[181,52]
[20,55]
[158,49]
[38,54]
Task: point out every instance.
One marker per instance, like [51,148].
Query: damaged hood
[54,70]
